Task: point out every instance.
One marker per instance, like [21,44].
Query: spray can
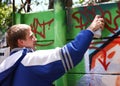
[97,33]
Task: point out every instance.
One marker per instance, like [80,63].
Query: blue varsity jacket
[43,67]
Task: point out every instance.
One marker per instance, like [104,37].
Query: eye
[31,36]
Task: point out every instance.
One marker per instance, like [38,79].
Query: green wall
[54,28]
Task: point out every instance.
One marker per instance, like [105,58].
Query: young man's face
[30,40]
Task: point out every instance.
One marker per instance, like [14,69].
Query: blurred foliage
[81,1]
[5,16]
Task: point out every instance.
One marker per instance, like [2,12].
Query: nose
[35,39]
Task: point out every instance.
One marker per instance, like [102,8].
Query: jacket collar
[18,49]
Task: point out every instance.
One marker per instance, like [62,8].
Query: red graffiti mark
[103,60]
[47,44]
[92,45]
[118,4]
[109,18]
[36,24]
[110,22]
[98,42]
[86,16]
[106,55]
[83,17]
[111,54]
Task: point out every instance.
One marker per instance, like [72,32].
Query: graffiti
[45,44]
[86,15]
[100,56]
[103,60]
[112,30]
[106,55]
[35,27]
[36,24]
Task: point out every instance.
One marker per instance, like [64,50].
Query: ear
[20,43]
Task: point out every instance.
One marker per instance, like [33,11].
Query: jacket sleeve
[74,51]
